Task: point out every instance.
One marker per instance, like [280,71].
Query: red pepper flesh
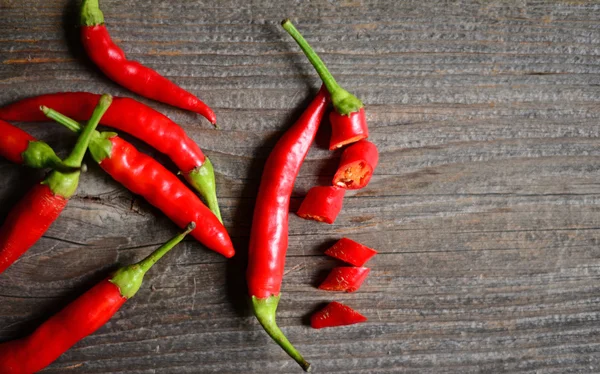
[136,119]
[347,129]
[269,234]
[348,279]
[357,165]
[351,252]
[78,319]
[336,314]
[131,74]
[322,204]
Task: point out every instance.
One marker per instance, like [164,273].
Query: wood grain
[485,207]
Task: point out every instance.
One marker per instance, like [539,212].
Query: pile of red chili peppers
[199,214]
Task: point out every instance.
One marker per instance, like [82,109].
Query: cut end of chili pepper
[352,252]
[348,279]
[336,314]
[347,129]
[356,165]
[265,311]
[322,204]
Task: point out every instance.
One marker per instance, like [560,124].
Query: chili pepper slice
[357,165]
[348,121]
[136,119]
[131,74]
[335,314]
[21,148]
[347,279]
[351,252]
[80,318]
[143,175]
[269,234]
[33,215]
[322,204]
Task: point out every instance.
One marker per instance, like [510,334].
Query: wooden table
[485,207]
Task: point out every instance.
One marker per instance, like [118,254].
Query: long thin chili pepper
[80,318]
[131,74]
[21,148]
[33,215]
[269,235]
[348,121]
[143,175]
[136,119]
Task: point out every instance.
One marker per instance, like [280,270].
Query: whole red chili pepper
[136,119]
[131,74]
[335,314]
[80,318]
[348,121]
[143,175]
[357,165]
[31,217]
[269,235]
[322,204]
[21,148]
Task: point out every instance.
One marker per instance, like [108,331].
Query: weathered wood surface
[485,207]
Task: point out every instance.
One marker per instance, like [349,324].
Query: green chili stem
[147,263]
[60,118]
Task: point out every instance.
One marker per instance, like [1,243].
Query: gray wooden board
[485,208]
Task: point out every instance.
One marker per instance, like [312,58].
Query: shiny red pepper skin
[347,129]
[322,204]
[13,142]
[335,314]
[27,222]
[357,165]
[351,252]
[347,279]
[59,333]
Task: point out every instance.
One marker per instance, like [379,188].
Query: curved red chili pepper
[322,204]
[131,74]
[269,235]
[78,319]
[357,165]
[31,217]
[136,119]
[143,175]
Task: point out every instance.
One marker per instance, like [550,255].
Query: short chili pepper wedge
[21,148]
[357,165]
[351,252]
[131,74]
[336,314]
[143,175]
[41,206]
[269,233]
[348,121]
[80,318]
[348,279]
[322,204]
[135,118]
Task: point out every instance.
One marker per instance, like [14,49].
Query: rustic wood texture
[485,207]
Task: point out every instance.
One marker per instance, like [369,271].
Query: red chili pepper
[80,318]
[347,279]
[136,119]
[131,74]
[21,148]
[336,314]
[143,175]
[269,235]
[31,217]
[351,252]
[322,203]
[357,165]
[348,122]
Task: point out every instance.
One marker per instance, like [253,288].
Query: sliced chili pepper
[357,165]
[348,121]
[33,215]
[21,148]
[269,234]
[322,203]
[131,74]
[336,314]
[143,175]
[136,119]
[80,318]
[351,252]
[347,279]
